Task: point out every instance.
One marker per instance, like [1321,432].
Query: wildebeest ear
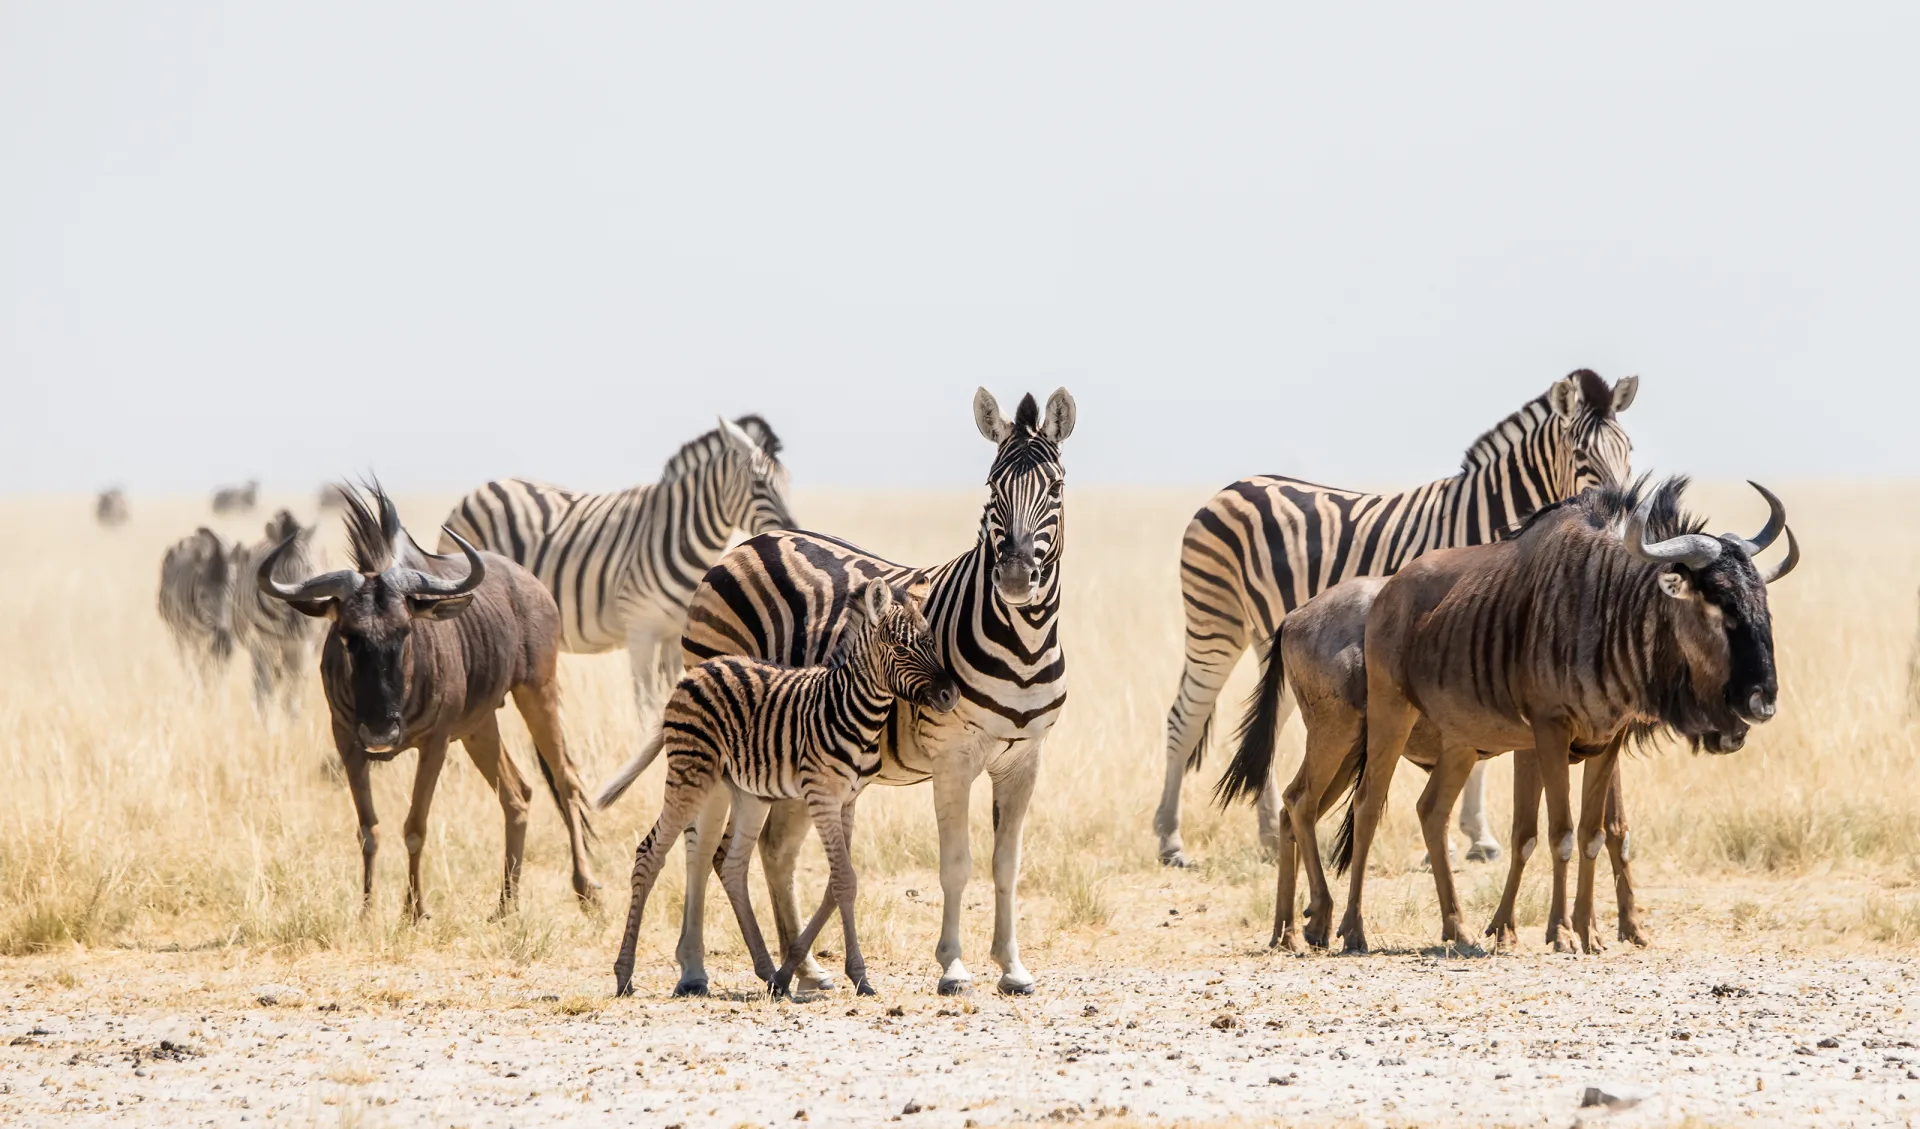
[318,609]
[1674,582]
[1060,414]
[438,607]
[1564,397]
[993,426]
[1623,390]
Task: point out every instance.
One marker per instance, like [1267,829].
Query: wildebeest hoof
[781,986]
[696,987]
[1355,942]
[623,983]
[862,988]
[1483,852]
[1632,934]
[1564,944]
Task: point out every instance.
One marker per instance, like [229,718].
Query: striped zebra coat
[781,733]
[196,582]
[622,566]
[1265,545]
[994,613]
[280,641]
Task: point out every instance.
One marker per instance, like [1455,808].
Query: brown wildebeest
[422,651]
[1568,635]
[1321,657]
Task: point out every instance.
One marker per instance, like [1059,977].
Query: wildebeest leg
[1012,790]
[1617,837]
[483,746]
[539,706]
[1390,718]
[952,788]
[749,813]
[702,839]
[1526,830]
[1334,744]
[433,754]
[1550,743]
[780,843]
[1436,802]
[1474,824]
[690,778]
[1595,775]
[354,759]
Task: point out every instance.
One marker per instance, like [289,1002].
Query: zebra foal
[785,733]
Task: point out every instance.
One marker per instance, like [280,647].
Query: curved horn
[327,586]
[1776,521]
[1693,550]
[440,588]
[1786,566]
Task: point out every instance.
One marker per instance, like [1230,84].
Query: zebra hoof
[956,986]
[1012,985]
[814,981]
[1483,852]
[1177,859]
[691,988]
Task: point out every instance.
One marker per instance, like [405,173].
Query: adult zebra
[1265,545]
[622,566]
[994,611]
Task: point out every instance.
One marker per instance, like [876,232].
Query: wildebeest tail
[629,772]
[1253,762]
[1343,840]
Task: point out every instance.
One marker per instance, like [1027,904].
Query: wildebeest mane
[1606,506]
[373,527]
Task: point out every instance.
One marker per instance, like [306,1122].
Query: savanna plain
[181,939]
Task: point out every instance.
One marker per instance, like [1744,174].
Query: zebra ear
[1564,398]
[876,600]
[986,416]
[1623,390]
[1060,414]
[737,437]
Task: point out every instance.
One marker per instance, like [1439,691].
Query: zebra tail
[622,780]
[1343,841]
[553,789]
[1247,773]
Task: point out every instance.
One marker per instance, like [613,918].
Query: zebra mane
[374,533]
[709,445]
[1503,436]
[1024,448]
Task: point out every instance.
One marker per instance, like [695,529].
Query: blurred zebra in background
[279,639]
[196,581]
[110,508]
[332,497]
[237,499]
[622,566]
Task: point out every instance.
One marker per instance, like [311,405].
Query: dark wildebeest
[422,651]
[1321,657]
[110,508]
[236,499]
[1568,635]
[195,578]
[277,638]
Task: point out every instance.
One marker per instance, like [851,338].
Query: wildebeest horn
[1776,521]
[327,586]
[1692,550]
[421,584]
[1786,566]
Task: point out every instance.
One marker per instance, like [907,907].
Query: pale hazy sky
[448,242]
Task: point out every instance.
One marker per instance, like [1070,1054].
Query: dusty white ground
[1378,1040]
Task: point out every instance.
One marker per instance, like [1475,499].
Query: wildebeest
[110,508]
[1570,634]
[195,601]
[1321,656]
[277,638]
[421,650]
[236,499]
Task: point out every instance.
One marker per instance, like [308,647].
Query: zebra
[196,580]
[808,735]
[622,566]
[110,507]
[1265,545]
[994,611]
[279,639]
[236,499]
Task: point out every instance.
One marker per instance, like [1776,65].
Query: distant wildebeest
[196,579]
[1608,615]
[421,651]
[277,638]
[332,497]
[236,499]
[1265,545]
[995,612]
[110,508]
[622,566]
[1321,656]
[773,732]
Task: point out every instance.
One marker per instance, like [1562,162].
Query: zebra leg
[692,950]
[952,784]
[645,641]
[500,773]
[690,782]
[1208,663]
[1012,789]
[1474,823]
[780,843]
[263,681]
[539,706]
[433,755]
[833,819]
[749,813]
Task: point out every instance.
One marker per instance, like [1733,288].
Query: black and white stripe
[994,613]
[1265,545]
[196,582]
[622,566]
[772,732]
[279,640]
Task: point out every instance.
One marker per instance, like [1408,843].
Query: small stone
[1276,1080]
[278,995]
[911,1107]
[1828,1043]
[1225,1022]
[896,1011]
[799,1115]
[1731,991]
[1089,1010]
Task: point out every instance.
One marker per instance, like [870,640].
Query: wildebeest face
[1022,523]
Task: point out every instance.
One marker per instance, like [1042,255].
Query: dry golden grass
[138,814]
